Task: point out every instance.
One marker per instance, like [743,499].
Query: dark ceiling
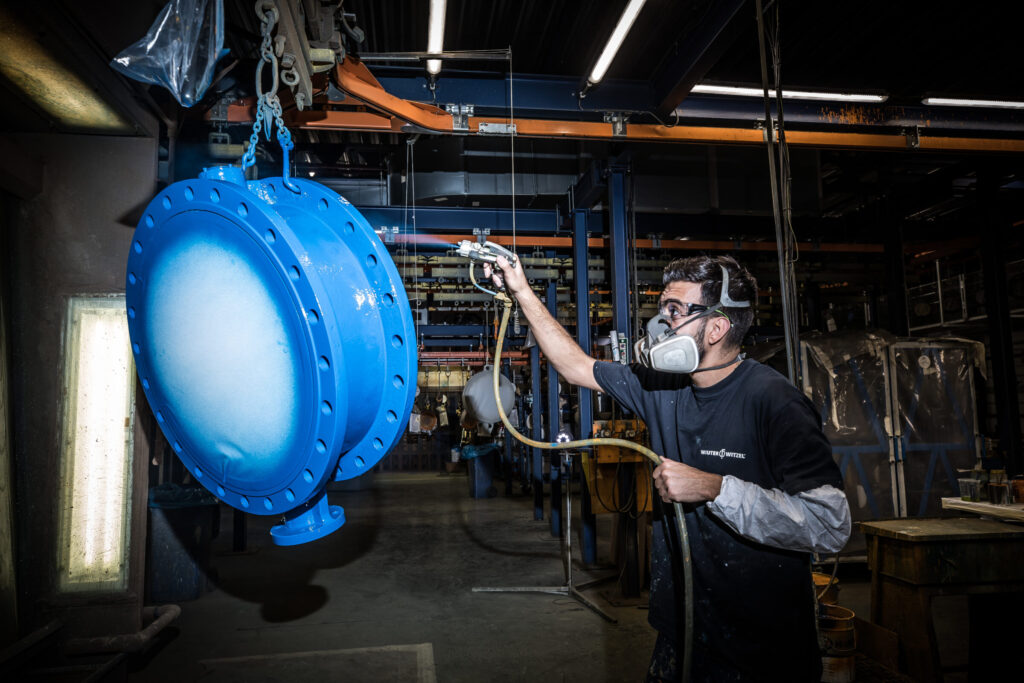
[906,49]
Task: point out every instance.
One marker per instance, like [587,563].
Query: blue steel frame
[585,402]
[629,582]
[554,420]
[537,469]
[618,220]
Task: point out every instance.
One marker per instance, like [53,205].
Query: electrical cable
[684,539]
[512,144]
[788,320]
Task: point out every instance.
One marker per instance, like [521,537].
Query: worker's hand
[679,483]
[513,277]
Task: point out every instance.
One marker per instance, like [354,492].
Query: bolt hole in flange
[251,332]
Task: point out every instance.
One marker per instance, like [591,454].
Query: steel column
[554,423]
[618,220]
[537,468]
[585,403]
[1000,324]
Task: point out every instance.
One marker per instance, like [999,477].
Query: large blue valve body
[273,339]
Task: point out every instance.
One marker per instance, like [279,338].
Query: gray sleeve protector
[814,521]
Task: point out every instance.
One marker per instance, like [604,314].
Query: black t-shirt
[754,604]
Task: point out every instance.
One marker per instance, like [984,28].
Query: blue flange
[274,341]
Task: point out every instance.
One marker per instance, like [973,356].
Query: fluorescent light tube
[96,486]
[435,34]
[788,94]
[615,41]
[953,102]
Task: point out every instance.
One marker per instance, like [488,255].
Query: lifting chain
[268,106]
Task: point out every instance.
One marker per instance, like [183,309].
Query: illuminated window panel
[96,444]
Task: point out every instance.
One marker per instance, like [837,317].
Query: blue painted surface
[273,339]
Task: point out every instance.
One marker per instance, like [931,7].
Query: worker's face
[680,304]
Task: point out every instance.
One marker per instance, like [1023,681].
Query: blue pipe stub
[273,339]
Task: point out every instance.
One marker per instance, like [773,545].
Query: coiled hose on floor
[684,539]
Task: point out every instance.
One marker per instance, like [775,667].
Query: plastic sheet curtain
[901,416]
[937,420]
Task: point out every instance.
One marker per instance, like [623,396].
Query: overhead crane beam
[553,97]
[396,114]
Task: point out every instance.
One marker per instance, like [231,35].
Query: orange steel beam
[599,242]
[346,120]
[356,80]
[543,128]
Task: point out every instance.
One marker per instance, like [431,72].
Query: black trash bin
[181,526]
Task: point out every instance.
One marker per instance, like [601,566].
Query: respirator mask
[669,350]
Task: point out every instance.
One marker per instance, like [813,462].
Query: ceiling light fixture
[953,102]
[435,34]
[615,41]
[703,89]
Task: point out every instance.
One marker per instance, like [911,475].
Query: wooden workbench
[913,561]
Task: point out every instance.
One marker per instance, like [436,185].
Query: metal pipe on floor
[127,642]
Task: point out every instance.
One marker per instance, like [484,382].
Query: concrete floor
[389,597]
[399,575]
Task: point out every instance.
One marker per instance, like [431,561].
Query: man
[744,451]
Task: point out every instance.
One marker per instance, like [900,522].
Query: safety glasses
[677,310]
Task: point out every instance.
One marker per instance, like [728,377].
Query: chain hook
[268,106]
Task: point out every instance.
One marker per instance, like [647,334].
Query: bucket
[838,642]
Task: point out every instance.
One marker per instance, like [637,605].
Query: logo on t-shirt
[725,454]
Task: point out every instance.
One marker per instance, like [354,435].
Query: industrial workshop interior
[460,341]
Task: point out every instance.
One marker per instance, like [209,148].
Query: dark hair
[707,271]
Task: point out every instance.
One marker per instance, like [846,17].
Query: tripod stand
[568,589]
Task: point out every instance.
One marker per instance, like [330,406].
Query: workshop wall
[71,239]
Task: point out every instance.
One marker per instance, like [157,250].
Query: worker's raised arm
[561,350]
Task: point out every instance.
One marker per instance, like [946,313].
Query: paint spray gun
[488,252]
[484,251]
